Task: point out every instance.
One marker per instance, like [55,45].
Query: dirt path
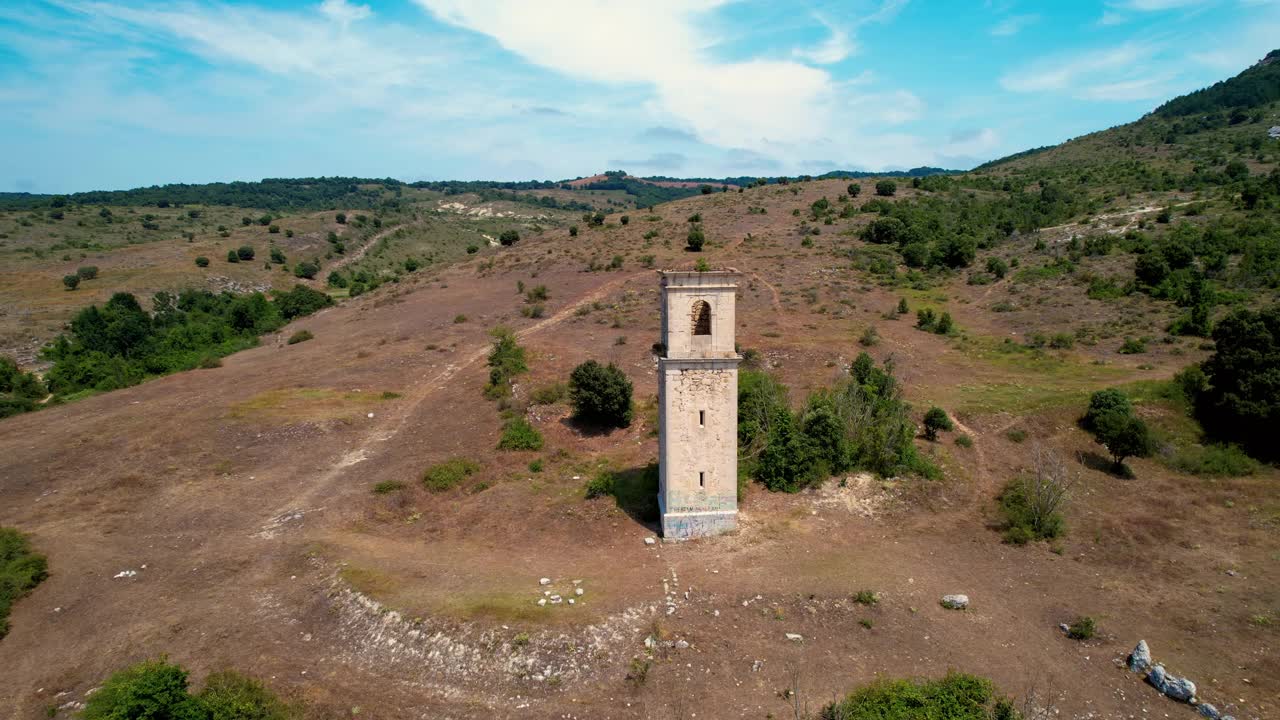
[395,422]
[355,256]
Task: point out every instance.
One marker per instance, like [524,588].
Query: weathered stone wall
[698,446]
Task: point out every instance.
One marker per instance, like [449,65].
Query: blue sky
[104,94]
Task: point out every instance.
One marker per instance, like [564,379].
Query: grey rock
[1140,659]
[682,644]
[1064,627]
[650,541]
[1171,685]
[794,637]
[1209,711]
[955,602]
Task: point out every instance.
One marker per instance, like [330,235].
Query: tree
[232,257]
[277,255]
[1151,269]
[790,460]
[341,218]
[1123,435]
[265,220]
[573,231]
[71,281]
[854,190]
[696,239]
[705,189]
[625,219]
[87,272]
[600,394]
[934,420]
[902,306]
[885,231]
[1103,402]
[245,252]
[886,188]
[1240,399]
[509,238]
[202,261]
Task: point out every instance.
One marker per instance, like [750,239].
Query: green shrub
[386,487]
[202,261]
[300,336]
[1235,394]
[955,697]
[506,360]
[866,597]
[934,420]
[509,238]
[277,255]
[448,474]
[518,434]
[459,319]
[1132,346]
[87,272]
[21,569]
[300,301]
[964,441]
[71,281]
[245,252]
[1023,520]
[1016,435]
[886,188]
[536,466]
[1082,629]
[151,689]
[1214,461]
[695,241]
[306,269]
[601,394]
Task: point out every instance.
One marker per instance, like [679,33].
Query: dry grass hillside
[274,518]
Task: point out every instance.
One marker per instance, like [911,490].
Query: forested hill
[1251,89]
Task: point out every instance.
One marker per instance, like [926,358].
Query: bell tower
[698,405]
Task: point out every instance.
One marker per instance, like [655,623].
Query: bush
[1082,629]
[202,261]
[300,336]
[245,252]
[1215,461]
[301,300]
[232,257]
[87,272]
[886,188]
[854,190]
[506,360]
[964,441]
[341,218]
[1236,395]
[518,434]
[696,240]
[1132,346]
[151,689]
[955,697]
[600,394]
[387,487]
[306,269]
[573,231]
[1032,503]
[21,569]
[71,281]
[509,238]
[934,420]
[448,474]
[625,219]
[156,690]
[866,597]
[277,255]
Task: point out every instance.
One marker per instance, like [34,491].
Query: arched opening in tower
[701,318]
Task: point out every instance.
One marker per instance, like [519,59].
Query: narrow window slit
[702,479]
[702,418]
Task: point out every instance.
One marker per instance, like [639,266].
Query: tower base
[688,525]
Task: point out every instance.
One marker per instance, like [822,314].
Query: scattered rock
[1171,685]
[794,637]
[650,541]
[955,602]
[1232,573]
[578,591]
[1140,659]
[542,602]
[682,644]
[1064,627]
[648,642]
[1209,711]
[544,581]
[755,666]
[126,573]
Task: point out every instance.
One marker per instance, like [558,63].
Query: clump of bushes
[21,569]
[957,696]
[862,422]
[934,420]
[1082,629]
[448,474]
[549,394]
[19,391]
[518,434]
[506,360]
[300,336]
[386,487]
[157,689]
[1032,503]
[601,394]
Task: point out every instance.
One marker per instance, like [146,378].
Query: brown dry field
[241,496]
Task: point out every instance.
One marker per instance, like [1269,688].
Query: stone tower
[698,405]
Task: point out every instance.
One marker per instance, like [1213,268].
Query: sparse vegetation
[448,474]
[1032,503]
[518,434]
[21,569]
[956,696]
[300,336]
[156,689]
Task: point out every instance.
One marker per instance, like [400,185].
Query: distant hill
[1252,88]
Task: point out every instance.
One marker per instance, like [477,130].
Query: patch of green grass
[387,487]
[866,623]
[866,597]
[1082,629]
[964,441]
[1213,461]
[448,474]
[957,696]
[518,434]
[21,569]
[1022,523]
[1016,435]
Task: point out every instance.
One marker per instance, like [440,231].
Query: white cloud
[1072,73]
[835,48]
[1111,17]
[1013,25]
[1160,5]
[343,12]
